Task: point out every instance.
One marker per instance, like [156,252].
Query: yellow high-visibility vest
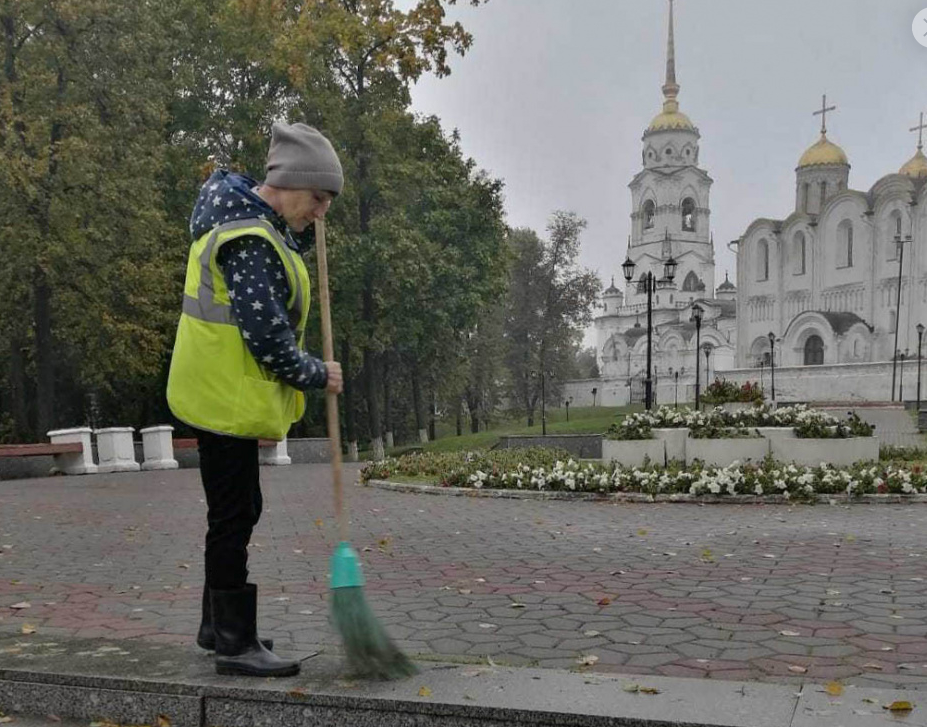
[215,383]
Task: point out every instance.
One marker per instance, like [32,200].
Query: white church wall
[848,382]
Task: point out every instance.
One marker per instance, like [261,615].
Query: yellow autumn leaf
[424,692]
[318,522]
[834,689]
[642,532]
[649,690]
[899,707]
[163,721]
[28,629]
[632,688]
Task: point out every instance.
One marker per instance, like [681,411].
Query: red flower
[882,489]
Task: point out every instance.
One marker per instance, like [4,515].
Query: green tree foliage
[550,301]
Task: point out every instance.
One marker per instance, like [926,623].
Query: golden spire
[670,88]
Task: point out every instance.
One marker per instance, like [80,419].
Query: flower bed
[766,477]
[717,422]
[722,391]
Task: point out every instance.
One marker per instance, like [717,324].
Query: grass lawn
[583,420]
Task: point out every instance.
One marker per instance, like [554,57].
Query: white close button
[919,27]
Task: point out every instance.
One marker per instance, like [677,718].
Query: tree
[550,301]
[81,120]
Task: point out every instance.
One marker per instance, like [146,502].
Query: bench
[70,457]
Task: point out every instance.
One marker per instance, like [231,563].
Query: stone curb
[682,498]
[179,683]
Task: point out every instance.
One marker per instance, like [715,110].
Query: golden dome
[823,152]
[916,167]
[671,120]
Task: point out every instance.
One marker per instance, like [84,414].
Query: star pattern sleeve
[258,290]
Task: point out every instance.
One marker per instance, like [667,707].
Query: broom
[370,651]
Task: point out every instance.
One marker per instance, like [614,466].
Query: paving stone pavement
[893,424]
[743,592]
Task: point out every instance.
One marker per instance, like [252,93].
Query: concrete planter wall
[813,452]
[76,463]
[158,448]
[675,440]
[735,406]
[633,452]
[777,433]
[276,455]
[116,450]
[723,452]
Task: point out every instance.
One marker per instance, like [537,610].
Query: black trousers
[231,480]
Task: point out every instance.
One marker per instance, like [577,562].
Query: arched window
[845,244]
[691,283]
[649,212]
[642,283]
[814,351]
[798,253]
[688,215]
[762,260]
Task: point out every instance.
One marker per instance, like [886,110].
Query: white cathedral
[824,280]
[671,218]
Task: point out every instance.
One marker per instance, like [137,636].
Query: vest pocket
[264,408]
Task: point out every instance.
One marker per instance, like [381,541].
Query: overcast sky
[554,96]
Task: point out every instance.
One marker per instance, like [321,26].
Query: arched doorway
[814,351]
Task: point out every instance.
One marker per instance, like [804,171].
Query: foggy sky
[554,96]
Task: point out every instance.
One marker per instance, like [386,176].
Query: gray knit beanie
[301,158]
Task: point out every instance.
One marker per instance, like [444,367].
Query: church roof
[916,166]
[843,322]
[823,152]
[727,284]
[611,289]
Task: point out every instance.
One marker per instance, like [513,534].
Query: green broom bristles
[370,652]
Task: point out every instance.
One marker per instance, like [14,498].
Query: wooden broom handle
[331,399]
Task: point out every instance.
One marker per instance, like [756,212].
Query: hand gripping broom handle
[331,399]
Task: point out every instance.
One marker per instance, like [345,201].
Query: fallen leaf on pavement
[163,721]
[424,692]
[797,669]
[590,633]
[649,690]
[899,707]
[488,626]
[633,688]
[28,629]
[21,605]
[642,532]
[872,666]
[588,660]
[517,605]
[834,689]
[789,633]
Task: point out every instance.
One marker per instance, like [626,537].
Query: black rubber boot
[206,637]
[238,651]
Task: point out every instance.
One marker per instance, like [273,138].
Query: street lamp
[772,364]
[902,355]
[900,245]
[920,338]
[594,391]
[676,390]
[707,350]
[697,313]
[650,283]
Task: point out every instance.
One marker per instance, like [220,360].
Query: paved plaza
[767,593]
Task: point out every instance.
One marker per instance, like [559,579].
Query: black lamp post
[902,355]
[920,339]
[676,390]
[594,392]
[707,350]
[697,313]
[772,364]
[650,282]
[900,244]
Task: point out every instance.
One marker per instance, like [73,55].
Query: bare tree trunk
[459,415]
[19,407]
[417,404]
[387,402]
[44,354]
[350,425]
